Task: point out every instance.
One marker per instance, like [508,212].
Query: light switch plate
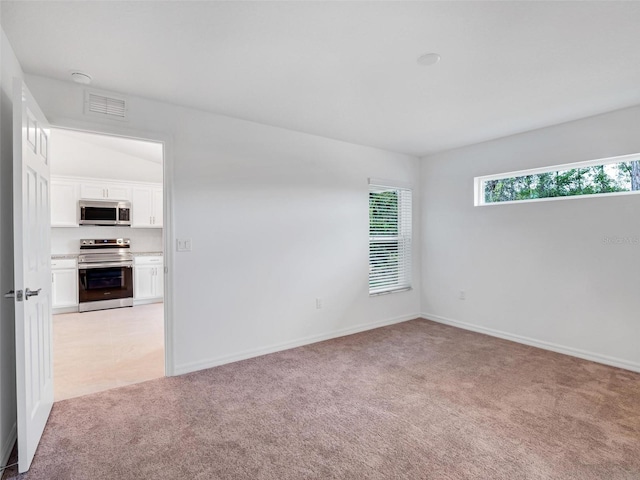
[183,244]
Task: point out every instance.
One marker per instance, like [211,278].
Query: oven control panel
[105,243]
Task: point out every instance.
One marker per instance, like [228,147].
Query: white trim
[7,447]
[549,199]
[554,347]
[390,183]
[478,182]
[123,130]
[58,310]
[217,361]
[387,292]
[168,254]
[565,166]
[104,179]
[147,301]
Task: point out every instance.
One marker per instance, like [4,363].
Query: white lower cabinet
[64,288]
[148,279]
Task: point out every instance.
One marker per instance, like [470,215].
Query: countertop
[60,256]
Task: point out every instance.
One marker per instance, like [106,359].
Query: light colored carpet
[417,400]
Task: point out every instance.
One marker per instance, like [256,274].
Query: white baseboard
[574,352]
[147,301]
[214,362]
[57,310]
[7,447]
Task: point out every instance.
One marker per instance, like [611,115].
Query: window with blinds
[389,239]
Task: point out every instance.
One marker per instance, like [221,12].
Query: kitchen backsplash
[67,240]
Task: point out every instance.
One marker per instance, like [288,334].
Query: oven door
[105,281]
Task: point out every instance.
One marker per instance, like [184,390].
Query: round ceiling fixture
[428,59]
[80,77]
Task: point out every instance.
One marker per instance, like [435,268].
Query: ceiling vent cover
[105,105]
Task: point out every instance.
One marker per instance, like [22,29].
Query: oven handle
[89,266]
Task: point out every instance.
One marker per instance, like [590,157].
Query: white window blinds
[389,239]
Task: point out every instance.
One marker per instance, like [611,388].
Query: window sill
[387,292]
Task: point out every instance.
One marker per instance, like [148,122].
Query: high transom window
[607,176]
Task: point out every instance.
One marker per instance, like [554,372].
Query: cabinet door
[141,206]
[105,191]
[143,282]
[93,191]
[64,203]
[65,287]
[117,192]
[159,281]
[157,207]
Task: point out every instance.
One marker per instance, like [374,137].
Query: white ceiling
[143,149]
[347,70]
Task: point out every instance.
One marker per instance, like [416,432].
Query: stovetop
[105,250]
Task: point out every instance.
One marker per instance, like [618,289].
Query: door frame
[167,227]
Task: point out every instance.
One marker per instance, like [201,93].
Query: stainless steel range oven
[105,274]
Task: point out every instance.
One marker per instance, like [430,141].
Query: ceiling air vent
[106,106]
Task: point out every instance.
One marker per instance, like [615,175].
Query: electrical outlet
[318,303]
[462,295]
[183,244]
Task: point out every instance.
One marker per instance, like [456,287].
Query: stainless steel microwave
[105,212]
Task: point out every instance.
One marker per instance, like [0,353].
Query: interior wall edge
[7,447]
[217,361]
[532,342]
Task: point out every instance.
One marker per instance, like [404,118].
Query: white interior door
[32,257]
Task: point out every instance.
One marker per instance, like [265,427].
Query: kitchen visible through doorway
[107,260]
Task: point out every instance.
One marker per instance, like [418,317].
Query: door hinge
[11,294]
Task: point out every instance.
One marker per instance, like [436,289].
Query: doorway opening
[107,251]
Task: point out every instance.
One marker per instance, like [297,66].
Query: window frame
[403,238]
[479,182]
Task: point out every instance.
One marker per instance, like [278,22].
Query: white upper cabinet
[158,204]
[64,203]
[146,199]
[147,207]
[104,191]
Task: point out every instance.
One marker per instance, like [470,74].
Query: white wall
[540,271]
[67,240]
[10,68]
[277,219]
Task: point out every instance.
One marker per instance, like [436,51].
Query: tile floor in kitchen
[95,351]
